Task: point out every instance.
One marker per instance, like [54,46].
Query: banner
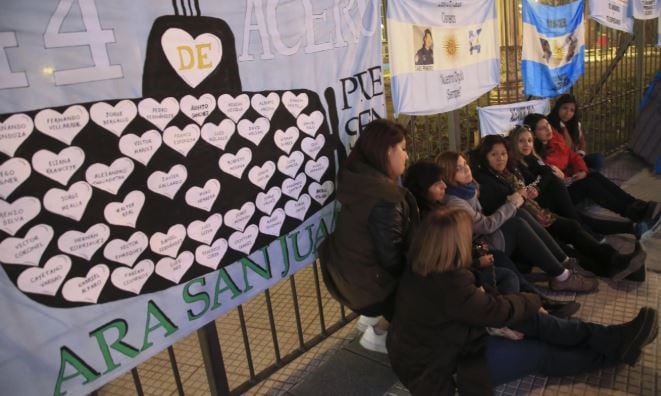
[443,55]
[645,9]
[553,47]
[162,163]
[614,14]
[501,119]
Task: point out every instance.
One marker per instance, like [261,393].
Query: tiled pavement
[339,366]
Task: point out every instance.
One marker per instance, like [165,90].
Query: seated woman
[580,182]
[491,266]
[499,178]
[438,329]
[363,259]
[515,233]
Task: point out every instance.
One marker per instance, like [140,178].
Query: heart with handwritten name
[114,118]
[62,126]
[14,131]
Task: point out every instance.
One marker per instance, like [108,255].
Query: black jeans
[603,192]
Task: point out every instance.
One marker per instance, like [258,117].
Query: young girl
[582,184]
[565,118]
[438,330]
[505,230]
[499,178]
[362,260]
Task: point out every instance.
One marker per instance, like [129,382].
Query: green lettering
[322,233]
[264,273]
[285,255]
[191,298]
[223,275]
[297,254]
[67,356]
[163,321]
[118,345]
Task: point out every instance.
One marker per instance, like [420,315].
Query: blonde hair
[448,161]
[442,242]
[514,143]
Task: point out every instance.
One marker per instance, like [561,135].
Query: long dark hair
[531,120]
[571,125]
[373,144]
[486,145]
[418,178]
[427,32]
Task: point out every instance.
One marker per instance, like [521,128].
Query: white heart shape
[126,252]
[234,108]
[168,244]
[238,218]
[205,231]
[244,241]
[267,201]
[13,173]
[295,103]
[218,135]
[272,224]
[321,192]
[70,203]
[61,166]
[86,288]
[167,184]
[289,165]
[204,197]
[254,131]
[286,140]
[26,250]
[210,256]
[181,141]
[198,109]
[192,59]
[132,279]
[235,164]
[84,244]
[45,280]
[141,148]
[114,118]
[317,169]
[265,105]
[125,213]
[310,124]
[13,132]
[109,178]
[312,147]
[15,215]
[175,269]
[293,187]
[158,113]
[62,126]
[298,208]
[260,175]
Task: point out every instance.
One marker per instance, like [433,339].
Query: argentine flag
[553,47]
[443,54]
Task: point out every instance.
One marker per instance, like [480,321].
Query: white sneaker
[374,342]
[365,321]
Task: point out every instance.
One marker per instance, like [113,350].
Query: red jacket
[560,155]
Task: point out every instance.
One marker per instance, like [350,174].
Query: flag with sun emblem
[553,47]
[443,54]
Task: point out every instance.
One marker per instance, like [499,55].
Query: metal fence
[296,314]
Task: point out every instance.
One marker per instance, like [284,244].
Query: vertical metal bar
[515,15]
[175,370]
[343,312]
[297,313]
[640,49]
[454,130]
[274,332]
[246,341]
[213,359]
[320,305]
[136,381]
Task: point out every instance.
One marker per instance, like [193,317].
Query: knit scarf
[466,191]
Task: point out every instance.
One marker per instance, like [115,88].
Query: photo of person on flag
[425,55]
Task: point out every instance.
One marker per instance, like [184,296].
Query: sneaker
[637,333]
[575,283]
[374,342]
[365,321]
[635,263]
[641,228]
[572,264]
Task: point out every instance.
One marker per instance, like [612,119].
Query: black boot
[637,333]
[637,210]
[624,265]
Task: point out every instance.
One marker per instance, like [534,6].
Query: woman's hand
[515,199]
[557,172]
[486,260]
[543,311]
[531,192]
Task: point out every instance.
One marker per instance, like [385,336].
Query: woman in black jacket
[363,259]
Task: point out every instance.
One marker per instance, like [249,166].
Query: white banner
[443,55]
[645,9]
[160,166]
[614,14]
[501,119]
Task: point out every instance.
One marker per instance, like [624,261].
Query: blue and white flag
[613,14]
[645,9]
[553,47]
[500,119]
[443,54]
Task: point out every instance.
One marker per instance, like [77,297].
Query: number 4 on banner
[93,36]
